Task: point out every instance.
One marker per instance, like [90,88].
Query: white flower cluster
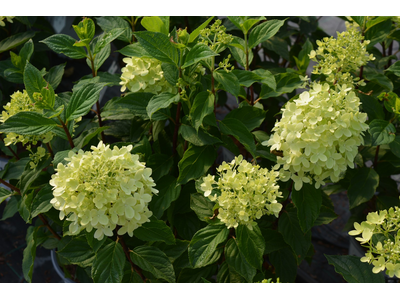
[144,75]
[337,58]
[21,102]
[103,188]
[319,134]
[243,192]
[384,253]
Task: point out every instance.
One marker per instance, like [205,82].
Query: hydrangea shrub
[214,152]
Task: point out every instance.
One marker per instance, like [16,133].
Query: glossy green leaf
[195,162]
[197,53]
[264,31]
[204,244]
[285,264]
[55,75]
[15,40]
[133,50]
[62,43]
[203,105]
[29,253]
[171,73]
[382,132]
[251,244]
[168,192]
[155,230]
[41,202]
[108,266]
[26,122]
[109,23]
[229,82]
[395,146]
[236,260]
[236,128]
[362,186]
[76,250]
[153,260]
[353,270]
[250,116]
[161,101]
[11,208]
[106,38]
[202,206]
[195,33]
[289,227]
[33,80]
[82,100]
[200,138]
[308,202]
[154,24]
[158,45]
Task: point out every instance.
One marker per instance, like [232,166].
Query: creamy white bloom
[142,74]
[243,192]
[103,188]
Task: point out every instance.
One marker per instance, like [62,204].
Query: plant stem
[12,151]
[177,124]
[126,251]
[49,227]
[376,157]
[71,143]
[50,150]
[9,185]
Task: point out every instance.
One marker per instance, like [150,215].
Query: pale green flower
[102,189]
[20,102]
[243,192]
[142,74]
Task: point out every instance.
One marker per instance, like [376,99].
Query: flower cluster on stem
[103,188]
[243,192]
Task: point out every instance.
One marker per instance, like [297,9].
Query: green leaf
[202,206]
[247,78]
[108,265]
[359,20]
[202,248]
[82,100]
[195,33]
[236,260]
[27,122]
[160,164]
[264,31]
[289,227]
[15,40]
[160,101]
[135,102]
[302,61]
[30,175]
[106,38]
[41,202]
[55,75]
[251,244]
[395,68]
[285,264]
[382,132]
[237,21]
[195,162]
[94,243]
[197,53]
[372,107]
[153,260]
[33,80]
[196,275]
[4,194]
[158,45]
[62,43]
[279,46]
[171,73]
[154,24]
[86,136]
[249,23]
[378,33]
[26,52]
[155,230]
[168,192]
[285,83]
[29,253]
[85,29]
[250,116]
[308,202]
[133,50]
[395,146]
[236,128]
[229,82]
[109,23]
[237,48]
[362,186]
[76,250]
[200,138]
[203,105]
[11,208]
[273,240]
[353,270]
[380,79]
